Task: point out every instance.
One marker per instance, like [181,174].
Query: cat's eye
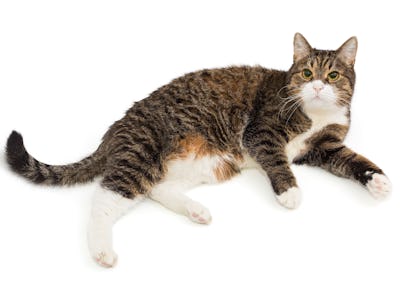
[333,76]
[307,74]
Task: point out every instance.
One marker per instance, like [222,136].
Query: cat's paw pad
[100,247]
[291,198]
[105,258]
[198,213]
[379,186]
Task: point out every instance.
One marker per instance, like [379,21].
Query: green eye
[333,76]
[307,74]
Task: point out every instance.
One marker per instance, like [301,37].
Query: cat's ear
[347,52]
[301,47]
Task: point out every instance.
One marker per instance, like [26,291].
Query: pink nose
[318,86]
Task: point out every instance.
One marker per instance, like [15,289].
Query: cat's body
[206,126]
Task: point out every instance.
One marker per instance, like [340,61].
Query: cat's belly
[192,170]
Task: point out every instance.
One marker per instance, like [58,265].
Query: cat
[206,126]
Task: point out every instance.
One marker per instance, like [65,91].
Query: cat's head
[322,79]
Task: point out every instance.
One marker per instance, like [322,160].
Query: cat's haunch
[206,126]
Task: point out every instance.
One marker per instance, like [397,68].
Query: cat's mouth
[319,103]
[320,99]
[317,97]
[318,93]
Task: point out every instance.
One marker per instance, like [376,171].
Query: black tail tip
[17,157]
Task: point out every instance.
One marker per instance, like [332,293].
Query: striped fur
[208,125]
[23,163]
[236,111]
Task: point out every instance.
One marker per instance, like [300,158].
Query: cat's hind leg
[170,195]
[107,208]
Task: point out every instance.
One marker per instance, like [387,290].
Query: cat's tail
[24,164]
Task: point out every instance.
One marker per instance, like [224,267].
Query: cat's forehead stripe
[322,59]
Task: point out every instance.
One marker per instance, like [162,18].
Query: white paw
[291,198]
[379,186]
[100,247]
[105,258]
[104,255]
[198,213]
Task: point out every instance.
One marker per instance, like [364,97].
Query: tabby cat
[208,125]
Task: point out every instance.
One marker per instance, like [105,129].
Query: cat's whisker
[292,102]
[284,113]
[293,90]
[284,108]
[280,90]
[206,126]
[289,99]
[295,107]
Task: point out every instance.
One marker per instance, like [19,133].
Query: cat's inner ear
[302,48]
[347,52]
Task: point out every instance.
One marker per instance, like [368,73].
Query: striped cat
[206,126]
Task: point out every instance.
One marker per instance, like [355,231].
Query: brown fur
[193,144]
[229,111]
[226,170]
[198,146]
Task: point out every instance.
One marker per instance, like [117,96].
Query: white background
[68,69]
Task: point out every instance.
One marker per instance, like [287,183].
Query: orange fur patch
[195,144]
[226,170]
[198,145]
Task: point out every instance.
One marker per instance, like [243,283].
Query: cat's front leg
[273,161]
[282,178]
[344,162]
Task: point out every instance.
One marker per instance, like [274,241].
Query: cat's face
[322,79]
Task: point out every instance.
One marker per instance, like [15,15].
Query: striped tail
[24,164]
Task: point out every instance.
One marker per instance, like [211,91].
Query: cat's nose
[318,86]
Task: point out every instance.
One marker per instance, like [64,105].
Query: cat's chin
[319,106]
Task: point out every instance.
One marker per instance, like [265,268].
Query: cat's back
[220,86]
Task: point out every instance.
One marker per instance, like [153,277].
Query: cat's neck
[323,117]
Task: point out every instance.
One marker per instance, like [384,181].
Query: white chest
[319,120]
